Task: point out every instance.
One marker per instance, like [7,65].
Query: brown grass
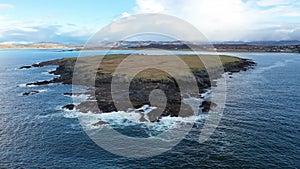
[109,63]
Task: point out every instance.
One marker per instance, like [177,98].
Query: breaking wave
[122,119]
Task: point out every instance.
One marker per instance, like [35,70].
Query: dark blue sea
[260,126]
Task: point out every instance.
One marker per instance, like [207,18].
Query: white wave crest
[275,65]
[42,90]
[77,99]
[25,85]
[121,119]
[132,117]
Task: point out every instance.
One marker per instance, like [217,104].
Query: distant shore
[238,48]
[176,46]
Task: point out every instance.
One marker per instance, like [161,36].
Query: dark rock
[88,106]
[207,105]
[30,93]
[25,67]
[235,70]
[52,72]
[100,123]
[45,82]
[36,65]
[157,120]
[69,106]
[39,83]
[68,94]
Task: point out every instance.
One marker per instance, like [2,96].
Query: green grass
[109,64]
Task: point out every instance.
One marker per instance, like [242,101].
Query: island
[141,85]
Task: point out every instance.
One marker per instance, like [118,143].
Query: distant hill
[183,44]
[261,46]
[229,46]
[266,43]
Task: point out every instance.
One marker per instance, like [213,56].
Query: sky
[75,21]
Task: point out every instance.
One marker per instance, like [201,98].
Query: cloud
[6,6]
[218,20]
[16,42]
[231,19]
[41,33]
[148,27]
[39,30]
[125,14]
[149,6]
[274,2]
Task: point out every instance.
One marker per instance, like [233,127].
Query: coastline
[234,48]
[140,89]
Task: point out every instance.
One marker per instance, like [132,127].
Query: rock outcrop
[139,90]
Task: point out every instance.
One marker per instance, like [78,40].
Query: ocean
[260,126]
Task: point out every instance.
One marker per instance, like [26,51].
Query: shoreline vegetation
[255,47]
[141,85]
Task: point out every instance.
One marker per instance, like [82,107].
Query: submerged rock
[45,82]
[69,106]
[68,94]
[30,93]
[100,123]
[25,67]
[207,105]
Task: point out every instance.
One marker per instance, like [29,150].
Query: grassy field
[130,65]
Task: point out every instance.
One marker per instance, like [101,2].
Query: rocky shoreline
[140,89]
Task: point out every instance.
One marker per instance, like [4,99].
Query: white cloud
[212,17]
[222,20]
[15,42]
[293,14]
[27,29]
[156,26]
[6,6]
[274,2]
[125,14]
[85,31]
[149,6]
[219,20]
[39,30]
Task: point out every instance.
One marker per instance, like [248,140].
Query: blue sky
[74,21]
